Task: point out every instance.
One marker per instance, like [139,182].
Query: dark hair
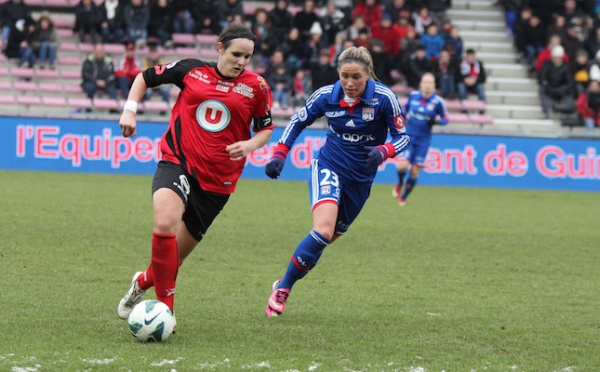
[420,47]
[235,31]
[470,51]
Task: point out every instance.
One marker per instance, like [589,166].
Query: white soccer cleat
[132,297]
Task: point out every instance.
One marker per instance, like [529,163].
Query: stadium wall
[453,160]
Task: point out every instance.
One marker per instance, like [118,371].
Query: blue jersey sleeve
[312,110]
[395,122]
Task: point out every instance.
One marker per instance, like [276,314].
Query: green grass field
[458,280]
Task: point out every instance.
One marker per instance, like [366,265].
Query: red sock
[146,280]
[165,262]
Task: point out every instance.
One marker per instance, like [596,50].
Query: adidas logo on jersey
[350,123]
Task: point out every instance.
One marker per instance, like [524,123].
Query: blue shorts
[415,152]
[325,186]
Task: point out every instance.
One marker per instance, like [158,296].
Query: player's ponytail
[359,55]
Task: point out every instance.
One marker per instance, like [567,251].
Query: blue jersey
[351,128]
[420,112]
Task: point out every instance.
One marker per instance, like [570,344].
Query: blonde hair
[358,55]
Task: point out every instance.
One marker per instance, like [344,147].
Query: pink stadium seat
[64,33]
[86,47]
[400,89]
[453,105]
[165,52]
[455,117]
[21,72]
[54,101]
[35,2]
[7,99]
[115,49]
[474,105]
[63,22]
[183,39]
[70,74]
[3,71]
[25,86]
[70,60]
[2,56]
[209,54]
[187,52]
[76,102]
[58,3]
[482,119]
[72,88]
[206,40]
[5,86]
[29,100]
[46,74]
[50,87]
[174,92]
[105,104]
[402,100]
[67,47]
[156,106]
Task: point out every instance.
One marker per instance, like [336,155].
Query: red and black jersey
[211,112]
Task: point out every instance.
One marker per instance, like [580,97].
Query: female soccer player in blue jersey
[360,112]
[421,110]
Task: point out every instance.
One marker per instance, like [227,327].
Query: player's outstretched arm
[241,149]
[128,122]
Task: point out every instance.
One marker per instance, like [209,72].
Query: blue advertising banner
[453,160]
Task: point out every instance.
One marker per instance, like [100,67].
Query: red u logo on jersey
[213,115]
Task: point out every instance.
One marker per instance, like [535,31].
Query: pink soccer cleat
[401,202]
[277,302]
[396,191]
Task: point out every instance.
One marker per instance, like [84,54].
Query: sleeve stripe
[391,96]
[401,143]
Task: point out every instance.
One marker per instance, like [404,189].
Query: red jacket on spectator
[371,14]
[128,67]
[585,111]
[390,37]
[545,55]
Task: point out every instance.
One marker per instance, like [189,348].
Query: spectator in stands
[159,24]
[98,73]
[88,20]
[313,47]
[181,16]
[580,67]
[568,36]
[358,24]
[363,39]
[422,19]
[333,21]
[445,70]
[571,13]
[323,73]
[301,88]
[403,26]
[432,41]
[418,64]
[281,21]
[471,76]
[280,82]
[455,41]
[533,40]
[305,19]
[546,53]
[408,47]
[154,59]
[136,17]
[438,8]
[556,81]
[521,25]
[111,26]
[293,49]
[44,42]
[19,43]
[276,58]
[588,106]
[228,9]
[260,29]
[389,34]
[511,11]
[11,12]
[127,69]
[382,64]
[206,17]
[397,8]
[592,43]
[370,10]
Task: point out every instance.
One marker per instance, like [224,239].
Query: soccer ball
[151,321]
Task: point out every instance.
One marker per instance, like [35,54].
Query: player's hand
[377,155]
[443,121]
[239,150]
[128,124]
[275,165]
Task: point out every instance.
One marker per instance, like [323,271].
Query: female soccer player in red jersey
[203,152]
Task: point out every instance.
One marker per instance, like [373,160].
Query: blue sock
[305,257]
[410,183]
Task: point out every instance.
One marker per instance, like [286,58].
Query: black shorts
[201,207]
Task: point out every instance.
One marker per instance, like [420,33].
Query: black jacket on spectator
[304,21]
[556,81]
[229,8]
[136,17]
[117,21]
[11,12]
[93,70]
[206,11]
[438,5]
[382,67]
[19,32]
[87,18]
[281,22]
[322,75]
[160,18]
[415,70]
[535,36]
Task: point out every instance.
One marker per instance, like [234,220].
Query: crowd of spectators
[559,40]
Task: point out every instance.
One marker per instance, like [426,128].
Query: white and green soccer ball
[151,321]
